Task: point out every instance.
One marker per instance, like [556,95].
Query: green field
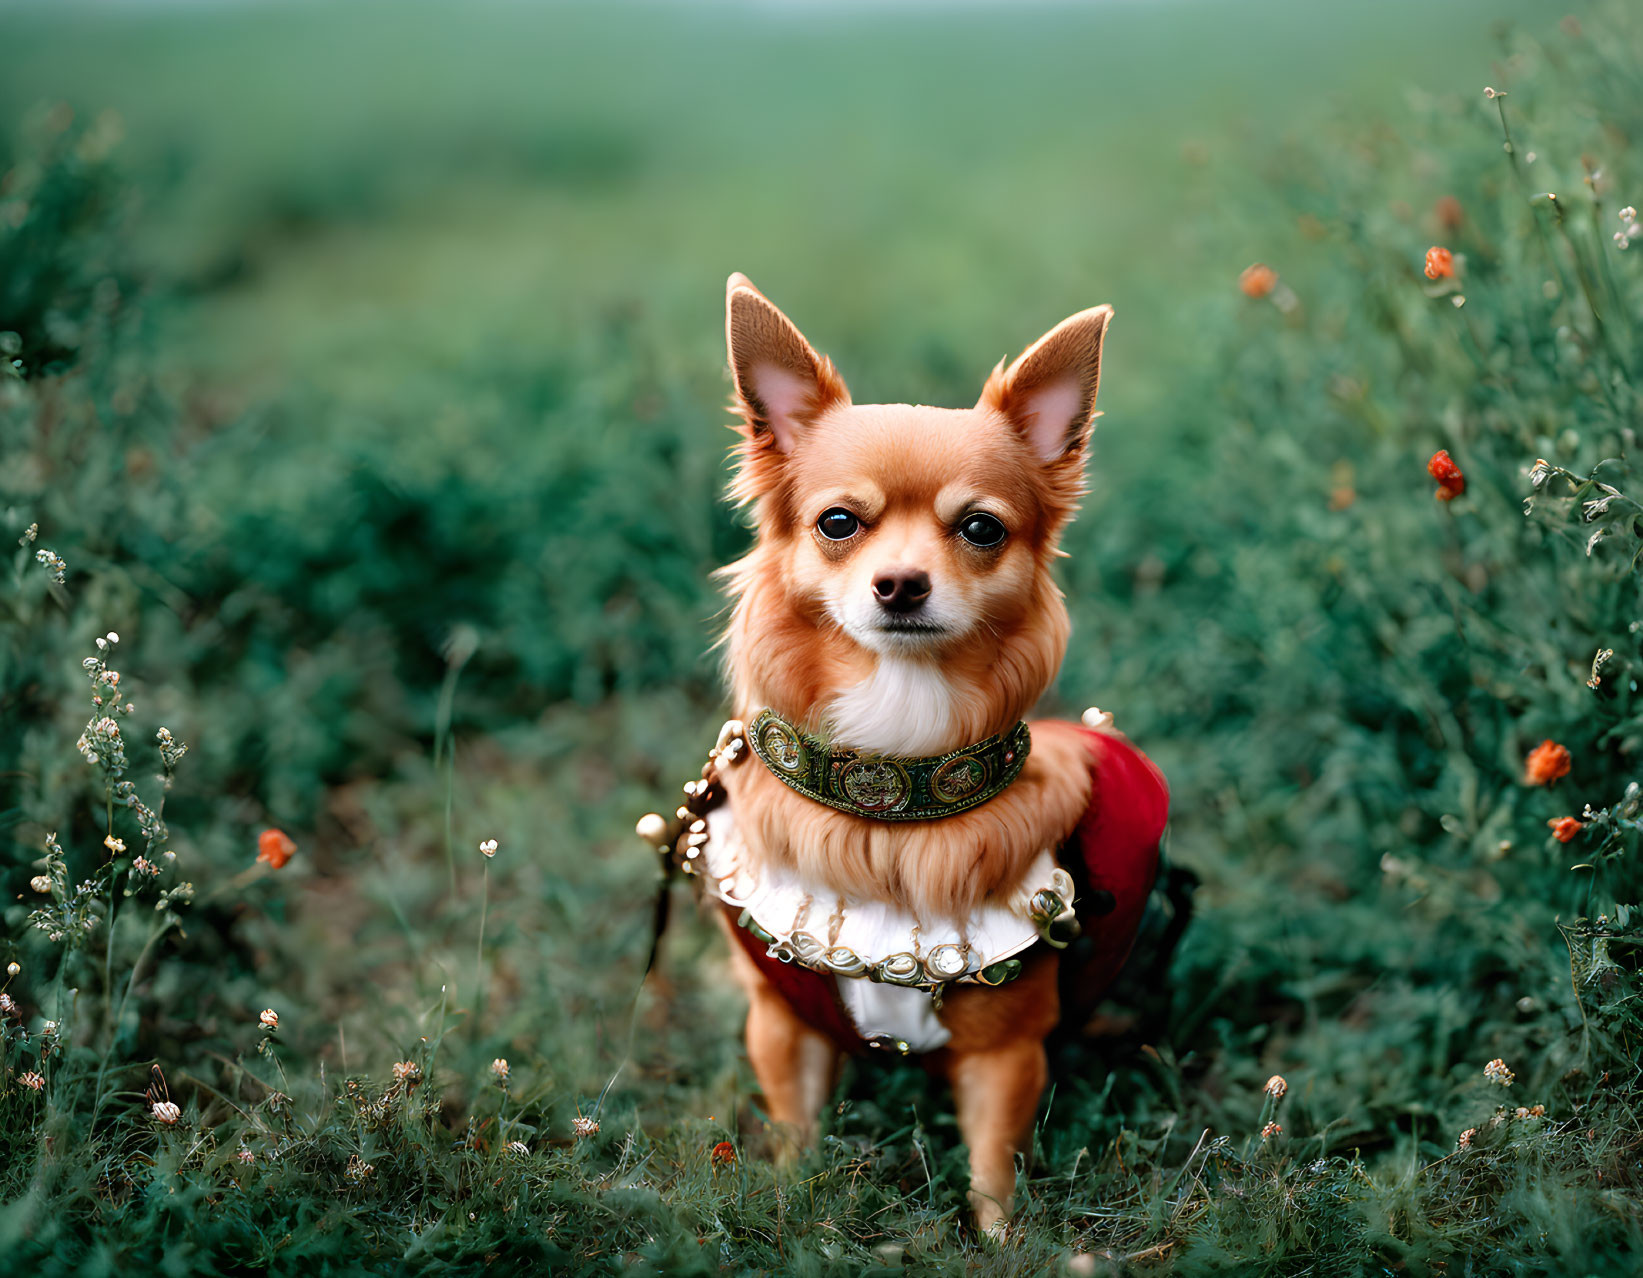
[371,386]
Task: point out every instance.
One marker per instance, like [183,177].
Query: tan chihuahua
[902,858]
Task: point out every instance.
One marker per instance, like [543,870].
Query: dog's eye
[981,530]
[838,524]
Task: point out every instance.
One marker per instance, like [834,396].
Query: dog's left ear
[782,384]
[1048,394]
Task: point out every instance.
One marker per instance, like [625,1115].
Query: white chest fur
[904,707]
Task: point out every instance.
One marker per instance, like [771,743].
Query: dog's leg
[794,1064]
[996,1093]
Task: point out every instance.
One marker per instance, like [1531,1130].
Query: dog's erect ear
[782,384]
[1049,392]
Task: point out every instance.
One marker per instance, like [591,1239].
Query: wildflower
[277,1102]
[245,1156]
[270,1019]
[54,563]
[1465,1139]
[1276,1087]
[142,865]
[582,1127]
[1628,215]
[40,883]
[499,1070]
[1564,829]
[1440,263]
[1451,482]
[113,844]
[1545,763]
[724,1154]
[1622,240]
[1492,93]
[166,1112]
[358,1170]
[518,1148]
[8,1005]
[1497,1073]
[488,847]
[407,1072]
[31,533]
[1271,1130]
[1257,280]
[274,847]
[12,969]
[1540,472]
[32,1081]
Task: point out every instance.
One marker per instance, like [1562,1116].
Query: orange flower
[1451,483]
[1546,763]
[1565,828]
[1258,280]
[1440,263]
[275,847]
[724,1154]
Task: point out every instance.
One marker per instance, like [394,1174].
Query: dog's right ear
[782,384]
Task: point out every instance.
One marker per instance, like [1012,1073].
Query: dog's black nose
[901,589]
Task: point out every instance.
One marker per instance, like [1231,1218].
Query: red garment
[1117,843]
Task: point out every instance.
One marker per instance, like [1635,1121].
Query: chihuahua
[902,860]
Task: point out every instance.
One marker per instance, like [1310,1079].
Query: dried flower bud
[275,848]
[1546,763]
[1258,281]
[1276,1087]
[165,1112]
[1497,1073]
[1440,263]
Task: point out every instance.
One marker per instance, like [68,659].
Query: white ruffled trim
[801,918]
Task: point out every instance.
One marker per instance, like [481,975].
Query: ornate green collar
[889,788]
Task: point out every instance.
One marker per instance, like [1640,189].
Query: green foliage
[400,621]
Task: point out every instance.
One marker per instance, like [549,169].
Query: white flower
[1276,1087]
[1628,214]
[270,1019]
[245,1156]
[583,1127]
[488,847]
[167,1113]
[40,883]
[113,638]
[31,1080]
[499,1070]
[114,845]
[1497,1073]
[518,1148]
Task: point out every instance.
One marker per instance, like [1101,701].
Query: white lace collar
[878,940]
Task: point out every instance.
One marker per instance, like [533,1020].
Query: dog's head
[902,534]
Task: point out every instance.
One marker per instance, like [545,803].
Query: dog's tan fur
[910,472]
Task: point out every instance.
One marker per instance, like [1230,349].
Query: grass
[372,398]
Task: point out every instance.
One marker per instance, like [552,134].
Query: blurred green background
[374,394]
